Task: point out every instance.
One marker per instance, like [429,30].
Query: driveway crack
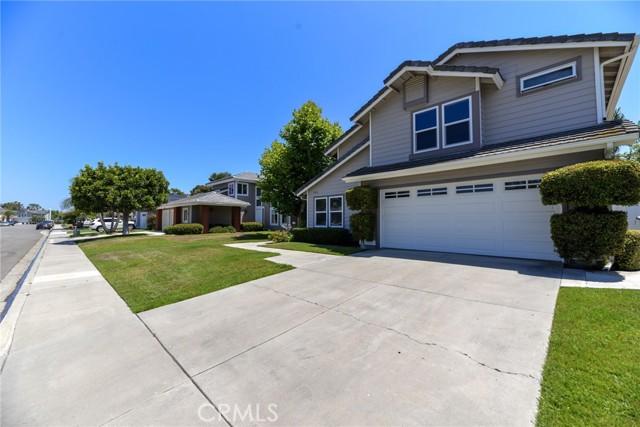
[435,344]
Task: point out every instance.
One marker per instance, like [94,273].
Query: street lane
[15,242]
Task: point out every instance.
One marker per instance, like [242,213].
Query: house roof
[604,130]
[341,138]
[212,198]
[355,150]
[242,176]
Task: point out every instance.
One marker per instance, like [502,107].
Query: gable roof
[353,129]
[212,198]
[621,129]
[242,176]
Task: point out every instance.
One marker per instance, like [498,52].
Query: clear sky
[193,88]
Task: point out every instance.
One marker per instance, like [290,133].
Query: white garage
[500,217]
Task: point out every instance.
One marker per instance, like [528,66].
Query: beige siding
[357,138]
[391,124]
[508,117]
[332,185]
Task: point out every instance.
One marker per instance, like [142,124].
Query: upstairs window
[231,190]
[425,137]
[457,122]
[258,197]
[548,77]
[243,189]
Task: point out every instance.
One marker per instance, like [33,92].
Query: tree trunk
[125,223]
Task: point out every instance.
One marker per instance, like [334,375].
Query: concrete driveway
[385,337]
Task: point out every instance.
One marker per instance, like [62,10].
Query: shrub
[280,236]
[251,226]
[222,229]
[629,257]
[598,183]
[184,229]
[588,236]
[363,225]
[362,198]
[151,222]
[324,236]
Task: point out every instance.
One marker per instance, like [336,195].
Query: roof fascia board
[373,104]
[500,158]
[196,203]
[344,137]
[407,69]
[321,177]
[496,77]
[623,72]
[541,46]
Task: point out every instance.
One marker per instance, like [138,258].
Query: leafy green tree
[199,189]
[177,191]
[218,175]
[287,165]
[118,189]
[8,213]
[34,207]
[37,218]
[14,206]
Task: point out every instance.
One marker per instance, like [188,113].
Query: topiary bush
[222,229]
[324,236]
[588,236]
[628,258]
[151,222]
[598,183]
[184,229]
[280,236]
[251,226]
[363,225]
[362,198]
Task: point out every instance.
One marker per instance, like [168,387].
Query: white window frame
[258,197]
[246,187]
[231,189]
[330,211]
[186,218]
[316,212]
[436,127]
[574,69]
[271,214]
[445,124]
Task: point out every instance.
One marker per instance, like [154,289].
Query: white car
[97,225]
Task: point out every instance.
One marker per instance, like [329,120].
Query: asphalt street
[15,242]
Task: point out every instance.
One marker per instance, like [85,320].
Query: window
[321,212]
[522,185]
[548,77]
[258,197]
[397,194]
[275,217]
[231,189]
[243,189]
[335,211]
[185,215]
[457,122]
[439,191]
[425,136]
[477,188]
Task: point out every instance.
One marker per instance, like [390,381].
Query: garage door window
[477,188]
[439,191]
[522,185]
[321,211]
[335,210]
[397,194]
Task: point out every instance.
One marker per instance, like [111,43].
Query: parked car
[97,225]
[44,225]
[5,224]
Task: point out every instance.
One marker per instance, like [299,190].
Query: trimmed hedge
[324,236]
[598,183]
[251,226]
[280,236]
[628,258]
[363,225]
[222,229]
[184,229]
[588,236]
[362,198]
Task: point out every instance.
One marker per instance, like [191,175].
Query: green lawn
[153,271]
[318,249]
[592,373]
[87,232]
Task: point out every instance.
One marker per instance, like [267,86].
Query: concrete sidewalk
[79,356]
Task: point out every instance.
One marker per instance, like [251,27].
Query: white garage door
[500,217]
[167,217]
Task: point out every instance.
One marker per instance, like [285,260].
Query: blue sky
[192,88]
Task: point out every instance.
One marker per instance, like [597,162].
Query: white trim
[444,124]
[273,212]
[407,69]
[316,212]
[238,184]
[329,211]
[501,158]
[574,70]
[495,77]
[437,128]
[373,104]
[599,85]
[344,138]
[370,140]
[346,159]
[187,211]
[542,46]
[623,71]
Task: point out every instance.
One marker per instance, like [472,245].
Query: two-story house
[244,186]
[457,146]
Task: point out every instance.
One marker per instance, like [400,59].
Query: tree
[198,189]
[177,191]
[8,213]
[118,189]
[34,207]
[218,175]
[287,165]
[14,206]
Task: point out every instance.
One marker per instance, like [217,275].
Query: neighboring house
[141,217]
[457,146]
[244,186]
[208,209]
[25,216]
